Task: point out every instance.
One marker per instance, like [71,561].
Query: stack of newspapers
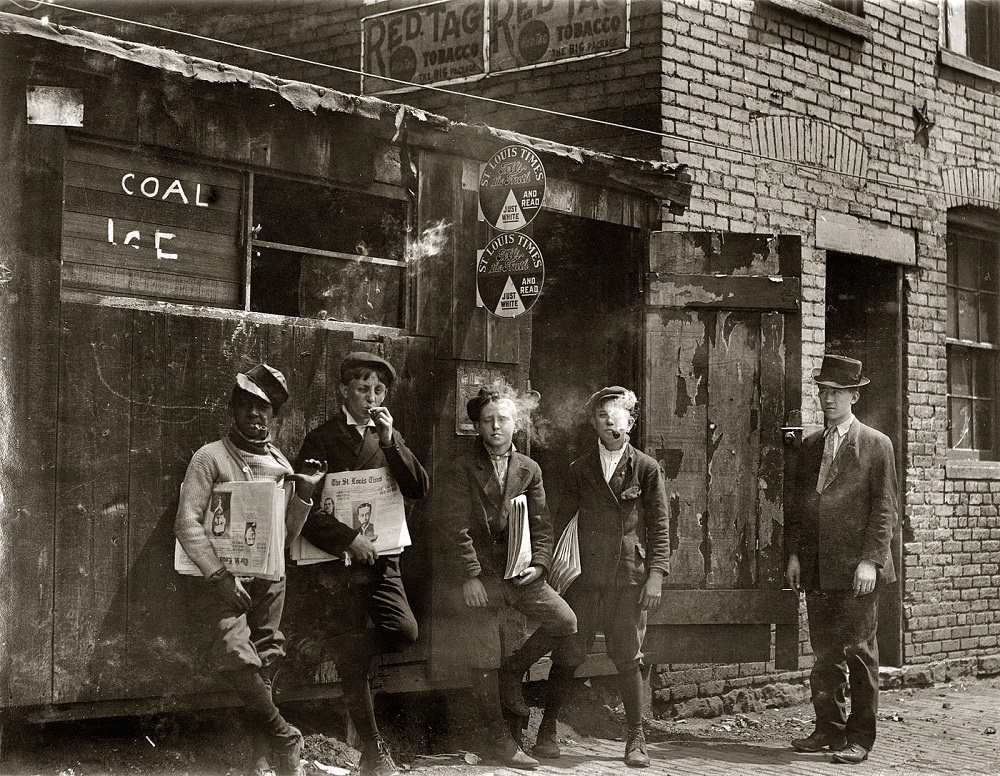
[245,522]
[566,558]
[518,537]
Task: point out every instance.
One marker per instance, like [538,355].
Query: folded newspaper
[367,500]
[566,558]
[245,522]
[518,537]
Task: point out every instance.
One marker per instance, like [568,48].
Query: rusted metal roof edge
[662,179]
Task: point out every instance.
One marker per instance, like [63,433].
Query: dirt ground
[435,733]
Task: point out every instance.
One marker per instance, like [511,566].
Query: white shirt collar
[359,427]
[843,428]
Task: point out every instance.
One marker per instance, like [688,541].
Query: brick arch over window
[971,185]
[798,139]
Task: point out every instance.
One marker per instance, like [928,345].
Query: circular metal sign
[511,188]
[510,274]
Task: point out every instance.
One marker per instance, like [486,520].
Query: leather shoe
[851,754]
[508,753]
[635,747]
[816,742]
[546,743]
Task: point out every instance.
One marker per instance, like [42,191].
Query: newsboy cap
[366,360]
[840,372]
[610,392]
[264,382]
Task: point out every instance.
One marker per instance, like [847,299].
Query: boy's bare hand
[528,576]
[362,550]
[794,572]
[383,424]
[312,474]
[231,592]
[474,593]
[649,598]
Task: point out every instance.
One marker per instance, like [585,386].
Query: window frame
[953,41]
[979,224]
[377,189]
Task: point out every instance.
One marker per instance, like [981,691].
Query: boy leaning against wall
[620,497]
[474,509]
[243,614]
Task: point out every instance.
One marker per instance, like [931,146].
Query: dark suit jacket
[343,448]
[852,519]
[624,525]
[472,513]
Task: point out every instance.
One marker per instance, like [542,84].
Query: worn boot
[635,747]
[287,747]
[262,756]
[547,743]
[376,759]
[501,747]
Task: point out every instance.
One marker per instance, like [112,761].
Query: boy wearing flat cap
[619,495]
[475,502]
[838,531]
[244,611]
[369,586]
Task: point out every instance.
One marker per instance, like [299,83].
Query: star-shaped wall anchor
[922,124]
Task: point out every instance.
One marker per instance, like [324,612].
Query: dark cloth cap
[264,382]
[475,405]
[366,360]
[610,392]
[840,372]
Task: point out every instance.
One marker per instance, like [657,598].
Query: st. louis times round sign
[510,274]
[511,188]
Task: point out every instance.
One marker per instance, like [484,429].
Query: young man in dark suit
[620,496]
[474,509]
[361,436]
[838,531]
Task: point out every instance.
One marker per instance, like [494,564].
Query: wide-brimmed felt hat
[366,360]
[609,392]
[264,382]
[840,372]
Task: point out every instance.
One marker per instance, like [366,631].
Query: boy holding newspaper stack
[366,583]
[487,495]
[619,497]
[243,612]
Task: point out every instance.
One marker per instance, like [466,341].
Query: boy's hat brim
[610,392]
[265,382]
[366,360]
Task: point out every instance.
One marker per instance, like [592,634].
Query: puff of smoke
[430,244]
[627,402]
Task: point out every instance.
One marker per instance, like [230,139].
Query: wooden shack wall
[107,398]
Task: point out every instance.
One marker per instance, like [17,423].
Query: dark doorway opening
[864,320]
[586,333]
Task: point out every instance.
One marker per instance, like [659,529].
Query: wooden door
[722,376]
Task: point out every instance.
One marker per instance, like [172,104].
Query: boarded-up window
[323,252]
[139,225]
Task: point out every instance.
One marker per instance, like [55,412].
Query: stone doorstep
[779,694]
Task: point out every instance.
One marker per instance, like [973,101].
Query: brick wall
[714,76]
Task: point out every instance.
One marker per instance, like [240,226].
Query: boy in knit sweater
[244,612]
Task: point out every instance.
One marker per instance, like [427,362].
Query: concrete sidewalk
[949,729]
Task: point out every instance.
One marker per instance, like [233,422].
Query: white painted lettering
[175,188]
[111,231]
[133,235]
[125,177]
[197,196]
[155,187]
[160,254]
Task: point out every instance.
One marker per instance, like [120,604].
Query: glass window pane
[983,373]
[952,243]
[356,291]
[988,318]
[968,262]
[988,270]
[312,216]
[968,316]
[959,371]
[960,416]
[982,437]
[952,313]
[274,282]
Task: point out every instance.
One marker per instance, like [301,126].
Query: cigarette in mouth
[375,411]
